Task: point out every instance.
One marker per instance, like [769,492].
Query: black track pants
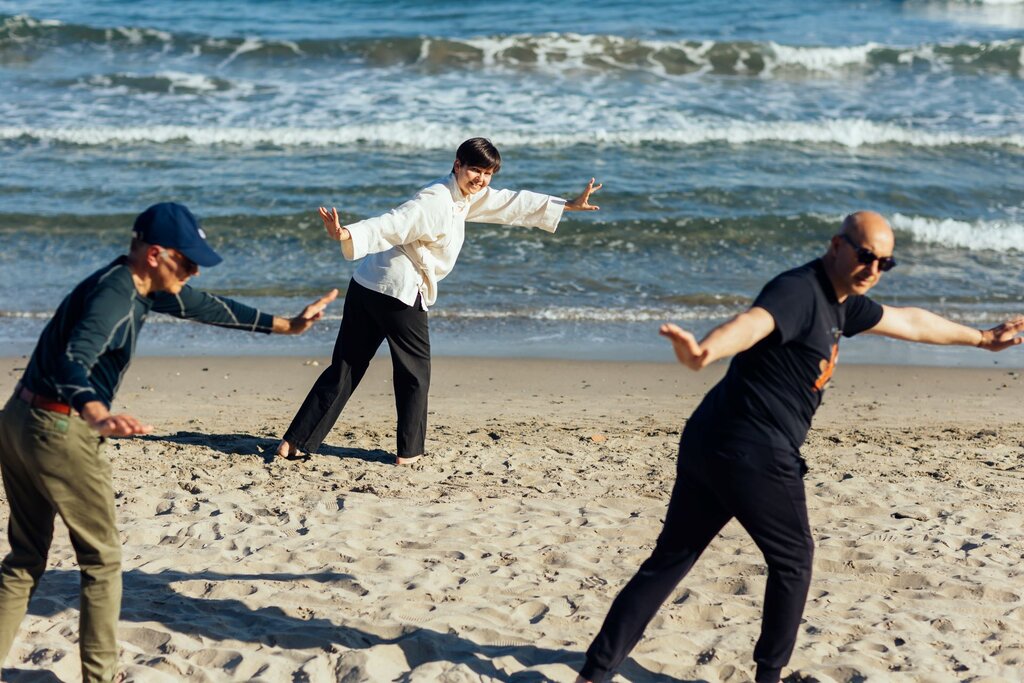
[762,487]
[368,319]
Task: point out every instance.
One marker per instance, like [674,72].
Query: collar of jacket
[453,187]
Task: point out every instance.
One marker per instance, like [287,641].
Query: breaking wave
[26,36]
[992,235]
[850,133]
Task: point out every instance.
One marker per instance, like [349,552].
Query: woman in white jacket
[408,251]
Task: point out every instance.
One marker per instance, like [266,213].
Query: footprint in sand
[533,611]
[911,581]
[226,660]
[352,586]
[230,590]
[330,558]
[731,674]
[564,607]
[147,639]
[490,638]
[995,594]
[416,613]
[243,517]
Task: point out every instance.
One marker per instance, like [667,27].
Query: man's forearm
[737,335]
[724,341]
[281,325]
[94,413]
[920,325]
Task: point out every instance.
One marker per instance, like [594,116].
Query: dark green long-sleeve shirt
[85,348]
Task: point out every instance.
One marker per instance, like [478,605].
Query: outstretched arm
[527,209]
[731,337]
[417,219]
[195,304]
[919,325]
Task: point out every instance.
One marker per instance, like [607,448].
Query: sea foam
[990,235]
[851,133]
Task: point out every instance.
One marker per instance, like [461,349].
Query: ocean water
[731,139]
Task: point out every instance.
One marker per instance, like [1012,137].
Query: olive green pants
[52,464]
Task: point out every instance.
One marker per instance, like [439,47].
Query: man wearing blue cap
[52,429]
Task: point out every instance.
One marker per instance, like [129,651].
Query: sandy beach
[497,556]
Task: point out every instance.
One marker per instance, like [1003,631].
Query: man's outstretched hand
[303,321]
[97,416]
[1003,336]
[688,351]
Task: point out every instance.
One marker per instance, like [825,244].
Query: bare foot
[407,460]
[287,451]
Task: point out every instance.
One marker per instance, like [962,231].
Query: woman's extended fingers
[330,217]
[582,203]
[332,222]
[590,189]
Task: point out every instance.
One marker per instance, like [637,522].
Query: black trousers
[762,487]
[369,318]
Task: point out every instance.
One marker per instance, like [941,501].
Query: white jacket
[414,246]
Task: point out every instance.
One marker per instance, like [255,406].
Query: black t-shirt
[772,390]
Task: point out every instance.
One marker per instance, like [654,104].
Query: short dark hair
[479,152]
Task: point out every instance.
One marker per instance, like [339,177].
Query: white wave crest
[175,82]
[180,80]
[990,235]
[990,2]
[29,315]
[138,36]
[594,313]
[823,58]
[585,314]
[576,51]
[422,135]
[21,21]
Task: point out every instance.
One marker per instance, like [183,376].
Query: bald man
[739,455]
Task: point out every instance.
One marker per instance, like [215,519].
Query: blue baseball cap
[168,224]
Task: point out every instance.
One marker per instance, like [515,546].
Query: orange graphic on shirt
[827,368]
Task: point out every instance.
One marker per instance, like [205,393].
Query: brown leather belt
[36,401]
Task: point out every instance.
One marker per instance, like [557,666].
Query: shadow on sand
[260,447]
[152,598]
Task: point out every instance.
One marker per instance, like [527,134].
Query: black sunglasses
[190,266]
[867,257]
